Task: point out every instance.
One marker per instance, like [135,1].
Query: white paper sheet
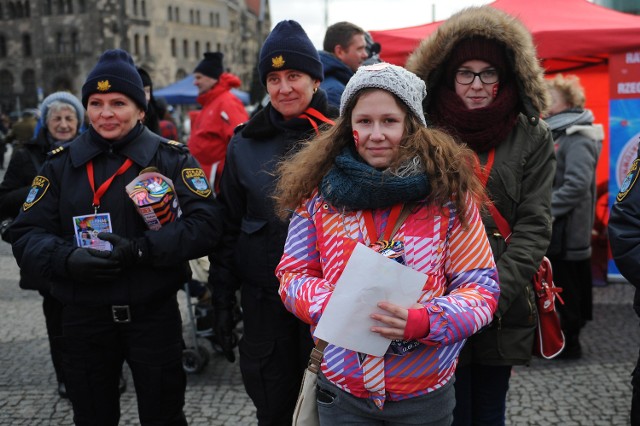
[368,278]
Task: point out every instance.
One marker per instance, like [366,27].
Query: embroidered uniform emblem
[629,181]
[196,181]
[39,187]
[104,85]
[277,62]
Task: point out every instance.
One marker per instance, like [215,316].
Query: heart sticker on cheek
[495,90]
[356,138]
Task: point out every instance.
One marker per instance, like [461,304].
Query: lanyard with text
[103,188]
[388,230]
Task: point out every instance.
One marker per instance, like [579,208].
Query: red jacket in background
[212,127]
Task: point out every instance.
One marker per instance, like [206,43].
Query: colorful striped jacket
[460,292]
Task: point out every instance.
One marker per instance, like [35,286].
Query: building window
[82,6]
[27,9]
[185,48]
[6,82]
[29,83]
[70,7]
[60,7]
[177,14]
[1,11]
[191,16]
[3,47]
[75,42]
[136,44]
[48,7]
[59,43]
[218,47]
[143,8]
[147,49]
[135,7]
[26,45]
[207,47]
[211,19]
[197,49]
[170,14]
[197,17]
[174,49]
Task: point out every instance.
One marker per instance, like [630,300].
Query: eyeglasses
[467,77]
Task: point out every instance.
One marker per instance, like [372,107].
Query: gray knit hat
[65,97]
[404,84]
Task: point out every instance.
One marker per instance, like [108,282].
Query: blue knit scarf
[353,184]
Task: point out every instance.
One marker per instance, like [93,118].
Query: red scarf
[481,129]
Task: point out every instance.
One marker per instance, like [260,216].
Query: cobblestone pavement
[594,390]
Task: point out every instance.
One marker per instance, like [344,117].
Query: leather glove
[90,265]
[223,329]
[125,251]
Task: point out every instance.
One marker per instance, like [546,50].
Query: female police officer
[119,304]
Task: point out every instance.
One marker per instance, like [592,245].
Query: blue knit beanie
[115,73]
[288,47]
[65,97]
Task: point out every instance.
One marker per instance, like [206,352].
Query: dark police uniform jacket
[43,233]
[624,230]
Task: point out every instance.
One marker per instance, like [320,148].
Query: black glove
[223,328]
[90,265]
[127,252]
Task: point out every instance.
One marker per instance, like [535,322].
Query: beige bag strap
[316,356]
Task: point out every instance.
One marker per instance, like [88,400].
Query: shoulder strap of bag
[483,175]
[315,359]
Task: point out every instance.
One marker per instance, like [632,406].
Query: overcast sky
[315,15]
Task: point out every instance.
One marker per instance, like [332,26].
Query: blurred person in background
[578,142]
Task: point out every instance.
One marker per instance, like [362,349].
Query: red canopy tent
[572,36]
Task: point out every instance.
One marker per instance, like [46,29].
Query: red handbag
[549,339]
[549,336]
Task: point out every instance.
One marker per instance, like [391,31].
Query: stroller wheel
[192,361]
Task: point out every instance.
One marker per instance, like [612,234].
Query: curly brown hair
[448,165]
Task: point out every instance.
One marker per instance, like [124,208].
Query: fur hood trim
[485,21]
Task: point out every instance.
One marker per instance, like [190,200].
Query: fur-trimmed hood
[429,58]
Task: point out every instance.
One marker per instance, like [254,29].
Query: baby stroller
[200,338]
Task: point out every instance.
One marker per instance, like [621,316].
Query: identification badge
[88,227]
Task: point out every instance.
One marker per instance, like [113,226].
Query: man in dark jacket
[624,239]
[345,49]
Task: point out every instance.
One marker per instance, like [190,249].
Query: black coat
[25,162]
[254,236]
[624,230]
[43,233]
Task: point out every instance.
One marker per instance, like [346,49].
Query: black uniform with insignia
[624,239]
[120,305]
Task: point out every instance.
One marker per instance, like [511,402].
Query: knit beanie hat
[115,73]
[404,84]
[146,78]
[480,48]
[65,97]
[289,48]
[211,65]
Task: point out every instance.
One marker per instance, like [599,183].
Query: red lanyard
[391,221]
[103,188]
[483,174]
[501,223]
[316,114]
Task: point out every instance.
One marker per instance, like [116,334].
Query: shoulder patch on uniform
[196,181]
[177,145]
[39,187]
[629,181]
